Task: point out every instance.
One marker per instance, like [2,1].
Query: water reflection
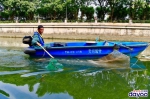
[16,92]
[12,42]
[78,85]
[145,53]
[17,42]
[22,76]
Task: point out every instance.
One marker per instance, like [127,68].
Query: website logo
[138,93]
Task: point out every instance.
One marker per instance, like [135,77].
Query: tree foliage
[62,9]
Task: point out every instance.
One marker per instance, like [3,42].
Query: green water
[22,77]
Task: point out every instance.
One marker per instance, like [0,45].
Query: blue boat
[87,49]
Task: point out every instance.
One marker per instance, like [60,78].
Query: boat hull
[88,50]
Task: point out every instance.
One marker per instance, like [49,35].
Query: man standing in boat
[37,39]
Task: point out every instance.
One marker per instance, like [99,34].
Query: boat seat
[106,43]
[59,44]
[91,43]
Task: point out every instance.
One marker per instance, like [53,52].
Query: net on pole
[115,59]
[54,65]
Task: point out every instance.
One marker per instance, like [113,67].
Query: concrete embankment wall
[89,31]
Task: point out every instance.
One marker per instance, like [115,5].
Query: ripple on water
[11,57]
[13,72]
[15,61]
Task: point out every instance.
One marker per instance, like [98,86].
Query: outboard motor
[27,40]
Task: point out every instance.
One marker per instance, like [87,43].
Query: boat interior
[94,43]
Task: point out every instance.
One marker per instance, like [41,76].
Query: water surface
[22,77]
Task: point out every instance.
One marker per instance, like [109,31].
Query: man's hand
[38,44]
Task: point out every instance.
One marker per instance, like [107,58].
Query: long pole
[46,51]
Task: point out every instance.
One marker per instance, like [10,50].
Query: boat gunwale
[92,46]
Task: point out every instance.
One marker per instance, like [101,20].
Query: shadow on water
[22,76]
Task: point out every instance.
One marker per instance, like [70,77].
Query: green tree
[18,8]
[27,9]
[102,9]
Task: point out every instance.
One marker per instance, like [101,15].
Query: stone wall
[71,30]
